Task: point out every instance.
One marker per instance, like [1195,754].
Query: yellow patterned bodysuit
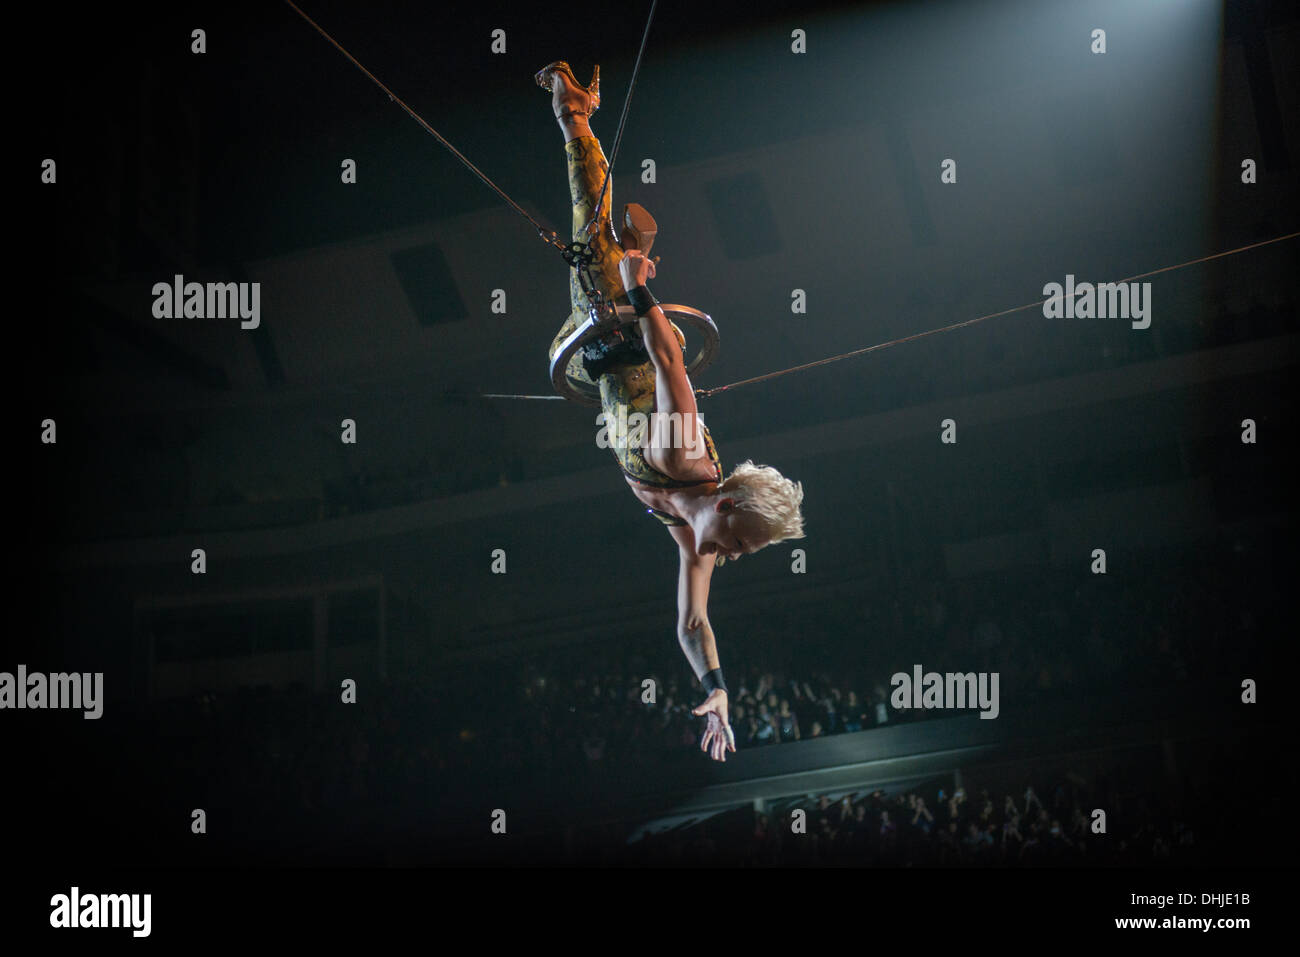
[627,386]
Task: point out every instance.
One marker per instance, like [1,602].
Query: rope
[970,322]
[499,395]
[627,102]
[541,230]
[706,393]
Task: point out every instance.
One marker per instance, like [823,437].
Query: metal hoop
[587,394]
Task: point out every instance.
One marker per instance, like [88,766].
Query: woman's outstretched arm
[695,636]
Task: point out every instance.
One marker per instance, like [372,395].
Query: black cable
[627,101]
[542,230]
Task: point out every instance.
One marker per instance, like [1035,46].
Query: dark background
[775,172]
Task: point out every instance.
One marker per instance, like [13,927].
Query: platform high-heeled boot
[639,228]
[571,98]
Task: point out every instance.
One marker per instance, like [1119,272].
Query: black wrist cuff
[713,681]
[641,300]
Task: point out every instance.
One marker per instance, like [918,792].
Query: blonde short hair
[775,499]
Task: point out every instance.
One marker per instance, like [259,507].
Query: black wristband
[641,300]
[713,681]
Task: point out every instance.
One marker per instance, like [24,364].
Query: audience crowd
[584,714]
[924,827]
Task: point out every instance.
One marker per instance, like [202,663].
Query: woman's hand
[635,268]
[718,737]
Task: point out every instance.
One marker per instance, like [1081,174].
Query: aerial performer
[667,453]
